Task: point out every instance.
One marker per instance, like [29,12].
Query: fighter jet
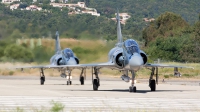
[61,57]
[126,57]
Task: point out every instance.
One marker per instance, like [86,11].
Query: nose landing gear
[69,82]
[132,88]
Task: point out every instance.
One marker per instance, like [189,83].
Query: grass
[18,109]
[57,107]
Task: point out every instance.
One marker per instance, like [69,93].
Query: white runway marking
[100,103]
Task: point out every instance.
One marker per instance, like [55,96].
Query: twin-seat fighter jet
[126,57]
[61,57]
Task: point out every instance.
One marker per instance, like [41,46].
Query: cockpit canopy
[131,46]
[68,53]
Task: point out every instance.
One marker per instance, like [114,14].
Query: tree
[166,25]
[18,52]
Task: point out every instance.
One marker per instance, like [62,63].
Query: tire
[82,80]
[134,89]
[70,82]
[42,79]
[153,85]
[130,89]
[95,84]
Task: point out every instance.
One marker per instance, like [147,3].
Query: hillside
[28,24]
[139,9]
[174,31]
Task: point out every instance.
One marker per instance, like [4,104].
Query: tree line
[170,37]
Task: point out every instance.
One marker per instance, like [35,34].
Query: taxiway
[113,95]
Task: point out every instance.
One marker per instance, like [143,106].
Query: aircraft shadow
[69,85]
[138,91]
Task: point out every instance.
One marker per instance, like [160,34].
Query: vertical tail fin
[120,38]
[119,33]
[57,43]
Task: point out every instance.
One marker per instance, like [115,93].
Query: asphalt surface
[18,92]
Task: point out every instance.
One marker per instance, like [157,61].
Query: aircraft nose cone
[136,60]
[71,61]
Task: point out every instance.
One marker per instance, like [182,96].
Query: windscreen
[131,46]
[68,53]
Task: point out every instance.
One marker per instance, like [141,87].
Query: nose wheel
[69,82]
[132,89]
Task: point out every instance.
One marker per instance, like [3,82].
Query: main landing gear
[95,82]
[153,82]
[82,78]
[42,77]
[132,88]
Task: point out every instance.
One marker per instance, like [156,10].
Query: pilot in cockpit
[131,46]
[68,53]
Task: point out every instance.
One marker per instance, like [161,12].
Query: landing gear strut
[153,82]
[95,82]
[82,77]
[69,82]
[42,77]
[132,88]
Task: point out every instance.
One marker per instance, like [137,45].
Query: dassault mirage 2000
[126,57]
[61,57]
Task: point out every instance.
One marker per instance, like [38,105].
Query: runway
[26,93]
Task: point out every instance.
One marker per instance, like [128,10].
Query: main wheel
[70,82]
[82,80]
[153,85]
[95,84]
[42,79]
[134,89]
[130,89]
